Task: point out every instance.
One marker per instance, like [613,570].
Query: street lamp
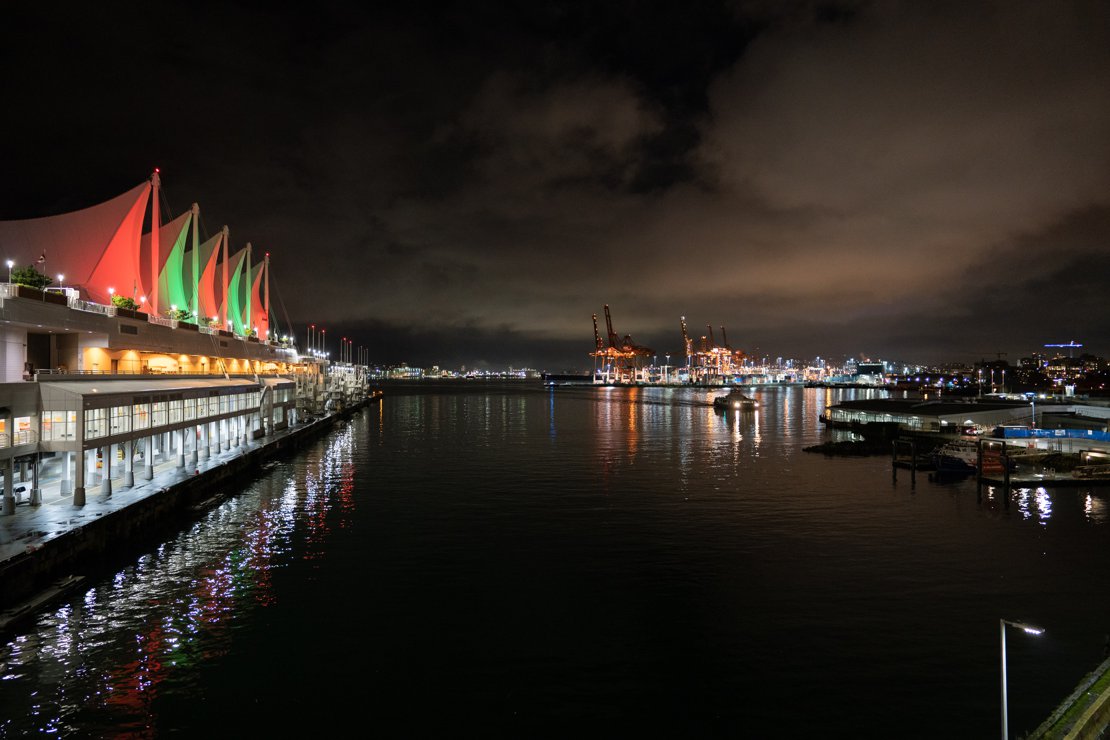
[61,277]
[1002,631]
[11,264]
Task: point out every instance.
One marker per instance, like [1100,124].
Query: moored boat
[961,456]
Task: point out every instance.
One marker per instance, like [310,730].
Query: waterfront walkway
[32,526]
[1085,714]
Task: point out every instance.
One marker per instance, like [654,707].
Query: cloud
[813,175]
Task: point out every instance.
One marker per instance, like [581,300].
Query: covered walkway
[98,433]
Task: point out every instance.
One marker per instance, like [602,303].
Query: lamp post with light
[11,264]
[1002,631]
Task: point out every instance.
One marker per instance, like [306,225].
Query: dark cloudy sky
[467,183]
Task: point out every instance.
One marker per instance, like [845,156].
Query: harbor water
[510,559]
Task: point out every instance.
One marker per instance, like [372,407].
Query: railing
[171,323]
[90,307]
[26,437]
[63,372]
[8,290]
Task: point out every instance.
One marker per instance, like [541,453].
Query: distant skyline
[467,184]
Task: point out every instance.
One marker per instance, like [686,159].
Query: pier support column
[194,453]
[225,433]
[106,486]
[36,492]
[65,488]
[129,472]
[93,477]
[79,477]
[9,498]
[148,458]
[203,445]
[180,434]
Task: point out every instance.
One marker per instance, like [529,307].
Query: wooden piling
[913,462]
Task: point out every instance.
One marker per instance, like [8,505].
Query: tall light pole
[11,264]
[1002,631]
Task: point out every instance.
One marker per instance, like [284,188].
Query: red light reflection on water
[177,608]
[134,686]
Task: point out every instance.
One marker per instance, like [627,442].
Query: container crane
[623,356]
[613,341]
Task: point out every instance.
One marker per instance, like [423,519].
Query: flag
[42,257]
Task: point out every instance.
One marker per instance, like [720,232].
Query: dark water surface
[511,559]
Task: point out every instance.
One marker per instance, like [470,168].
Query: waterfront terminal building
[1068,426]
[101,388]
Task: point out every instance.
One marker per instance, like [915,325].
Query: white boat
[735,400]
[961,456]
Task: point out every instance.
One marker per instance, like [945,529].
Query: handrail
[90,307]
[26,437]
[172,323]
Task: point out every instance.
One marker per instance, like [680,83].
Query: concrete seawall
[90,544]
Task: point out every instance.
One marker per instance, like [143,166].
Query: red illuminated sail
[95,248]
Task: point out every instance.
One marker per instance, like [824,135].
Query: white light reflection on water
[1094,509]
[111,649]
[1034,503]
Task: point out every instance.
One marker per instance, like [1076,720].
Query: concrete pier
[63,537]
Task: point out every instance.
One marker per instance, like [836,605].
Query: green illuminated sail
[235,299]
[172,288]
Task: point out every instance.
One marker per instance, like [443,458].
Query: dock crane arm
[597,336]
[686,345]
[712,342]
[614,341]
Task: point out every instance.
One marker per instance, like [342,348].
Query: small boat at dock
[961,456]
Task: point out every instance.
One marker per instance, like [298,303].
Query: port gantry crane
[622,360]
[711,361]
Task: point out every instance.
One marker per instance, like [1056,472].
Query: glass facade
[139,413]
[59,425]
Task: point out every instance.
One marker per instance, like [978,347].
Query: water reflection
[1094,508]
[1034,504]
[547,543]
[112,648]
